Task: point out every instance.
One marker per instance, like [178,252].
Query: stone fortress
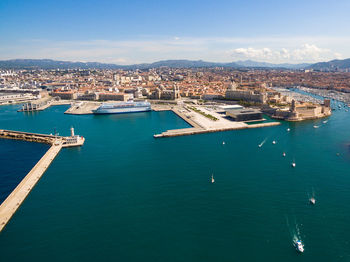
[304,111]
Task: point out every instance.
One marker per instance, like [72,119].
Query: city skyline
[137,32]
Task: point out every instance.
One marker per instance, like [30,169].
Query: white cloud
[305,53]
[253,53]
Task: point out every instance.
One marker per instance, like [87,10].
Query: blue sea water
[16,159]
[125,196]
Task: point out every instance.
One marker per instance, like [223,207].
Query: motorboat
[223,143]
[325,121]
[288,129]
[274,142]
[212,179]
[312,201]
[293,164]
[316,126]
[299,246]
[284,154]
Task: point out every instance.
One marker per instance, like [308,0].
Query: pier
[17,196]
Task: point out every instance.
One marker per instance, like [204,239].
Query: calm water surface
[125,196]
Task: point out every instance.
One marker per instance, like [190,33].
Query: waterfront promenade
[15,199]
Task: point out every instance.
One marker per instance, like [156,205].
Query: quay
[185,118]
[18,195]
[82,108]
[201,124]
[41,105]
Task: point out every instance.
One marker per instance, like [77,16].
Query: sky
[144,31]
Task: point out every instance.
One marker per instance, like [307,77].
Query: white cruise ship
[123,107]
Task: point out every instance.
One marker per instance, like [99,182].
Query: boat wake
[294,231]
[262,143]
[312,194]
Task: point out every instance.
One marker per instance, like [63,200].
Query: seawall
[194,131]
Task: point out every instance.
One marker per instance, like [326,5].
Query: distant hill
[250,63]
[54,64]
[187,64]
[332,65]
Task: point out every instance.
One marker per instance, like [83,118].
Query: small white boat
[212,179]
[288,129]
[299,246]
[284,154]
[274,142]
[223,143]
[316,126]
[325,121]
[293,164]
[260,145]
[312,201]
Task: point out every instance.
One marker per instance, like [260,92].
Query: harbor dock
[41,105]
[201,124]
[82,108]
[17,196]
[186,118]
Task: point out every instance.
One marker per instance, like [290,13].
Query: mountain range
[54,64]
[332,65]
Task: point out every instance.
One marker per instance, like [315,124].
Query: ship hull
[122,110]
